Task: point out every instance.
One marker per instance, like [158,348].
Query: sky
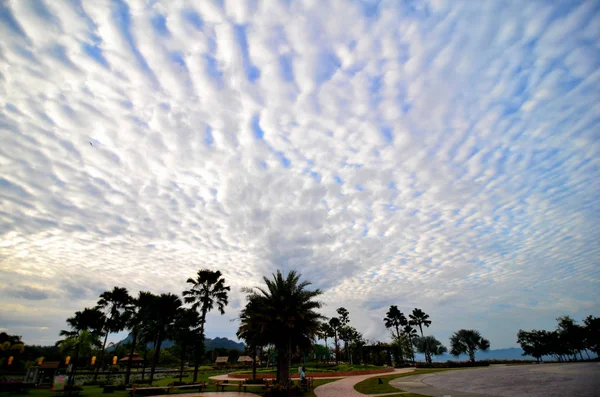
[434,154]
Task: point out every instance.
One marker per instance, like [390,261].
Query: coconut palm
[113,303]
[137,314]
[165,310]
[468,341]
[283,311]
[207,290]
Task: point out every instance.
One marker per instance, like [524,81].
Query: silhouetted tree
[207,290]
[468,341]
[285,312]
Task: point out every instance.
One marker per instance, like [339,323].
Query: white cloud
[440,156]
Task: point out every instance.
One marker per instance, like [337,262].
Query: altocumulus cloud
[435,154]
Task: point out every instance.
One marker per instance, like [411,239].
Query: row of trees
[406,339]
[568,340]
[150,319]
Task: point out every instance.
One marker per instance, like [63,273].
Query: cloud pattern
[441,155]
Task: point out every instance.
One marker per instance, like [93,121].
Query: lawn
[96,391]
[372,386]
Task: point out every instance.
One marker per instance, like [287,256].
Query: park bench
[168,389]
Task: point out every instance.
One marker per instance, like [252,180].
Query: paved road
[544,380]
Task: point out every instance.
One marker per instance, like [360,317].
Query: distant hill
[512,353]
[210,344]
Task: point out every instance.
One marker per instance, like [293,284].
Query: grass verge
[372,386]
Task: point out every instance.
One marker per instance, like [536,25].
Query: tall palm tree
[394,319]
[113,303]
[137,315]
[284,312]
[166,310]
[468,341]
[419,318]
[207,290]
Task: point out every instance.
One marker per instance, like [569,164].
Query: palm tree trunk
[101,356]
[254,363]
[471,356]
[197,348]
[335,340]
[181,367]
[155,359]
[144,365]
[71,382]
[284,365]
[130,361]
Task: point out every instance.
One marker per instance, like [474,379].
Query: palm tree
[82,342]
[185,332]
[137,314]
[206,291]
[429,345]
[420,318]
[394,319]
[335,324]
[284,313]
[113,303]
[250,332]
[88,319]
[468,341]
[166,310]
[410,332]
[325,331]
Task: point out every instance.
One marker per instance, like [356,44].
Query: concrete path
[226,377]
[543,380]
[218,394]
[345,387]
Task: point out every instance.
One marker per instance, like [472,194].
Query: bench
[168,389]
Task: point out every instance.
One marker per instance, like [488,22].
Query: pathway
[345,387]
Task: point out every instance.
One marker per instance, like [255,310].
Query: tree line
[150,319]
[564,343]
[406,339]
[282,315]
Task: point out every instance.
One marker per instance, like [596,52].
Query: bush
[11,386]
[280,391]
[453,364]
[73,388]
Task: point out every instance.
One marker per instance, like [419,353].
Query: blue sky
[434,154]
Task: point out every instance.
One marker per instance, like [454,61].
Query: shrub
[11,385]
[453,364]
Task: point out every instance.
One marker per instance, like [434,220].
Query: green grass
[372,386]
[311,367]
